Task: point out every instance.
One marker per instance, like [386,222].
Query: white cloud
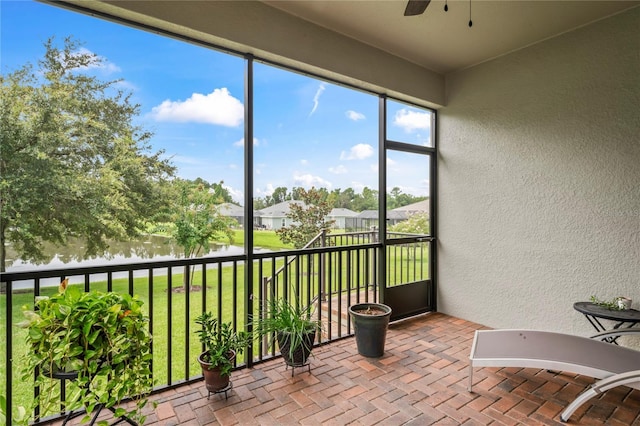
[240,143]
[268,190]
[340,170]
[357,186]
[355,116]
[316,99]
[412,120]
[236,194]
[307,181]
[357,152]
[218,107]
[233,166]
[304,162]
[395,167]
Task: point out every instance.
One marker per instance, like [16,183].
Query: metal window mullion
[273,297]
[382,194]
[340,288]
[150,284]
[248,202]
[9,352]
[187,307]
[219,294]
[235,294]
[169,328]
[329,296]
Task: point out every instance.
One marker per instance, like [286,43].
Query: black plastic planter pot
[370,322]
[301,353]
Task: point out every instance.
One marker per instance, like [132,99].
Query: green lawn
[261,239]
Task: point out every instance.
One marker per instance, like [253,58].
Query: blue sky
[306,132]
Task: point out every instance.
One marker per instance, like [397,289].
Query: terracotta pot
[213,379]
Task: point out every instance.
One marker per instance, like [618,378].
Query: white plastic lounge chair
[615,365]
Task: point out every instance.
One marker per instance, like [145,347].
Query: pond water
[72,255]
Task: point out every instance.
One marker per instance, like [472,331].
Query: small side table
[626,318]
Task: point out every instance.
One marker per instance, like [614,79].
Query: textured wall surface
[539,180]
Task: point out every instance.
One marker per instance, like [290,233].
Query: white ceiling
[443,41]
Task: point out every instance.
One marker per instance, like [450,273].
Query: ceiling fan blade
[416,7]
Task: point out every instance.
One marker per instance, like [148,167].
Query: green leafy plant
[611,305]
[101,339]
[219,340]
[290,321]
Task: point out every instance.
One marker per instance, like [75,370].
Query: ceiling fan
[417,7]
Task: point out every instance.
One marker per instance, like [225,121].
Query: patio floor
[421,380]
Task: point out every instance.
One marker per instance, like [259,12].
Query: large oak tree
[72,161]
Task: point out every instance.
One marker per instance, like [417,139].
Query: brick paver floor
[421,380]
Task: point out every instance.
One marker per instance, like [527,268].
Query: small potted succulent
[293,327]
[221,344]
[88,338]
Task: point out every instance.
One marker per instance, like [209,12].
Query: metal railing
[340,271]
[215,284]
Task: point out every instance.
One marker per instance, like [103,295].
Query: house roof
[278,210]
[368,214]
[230,209]
[391,214]
[419,207]
[341,212]
[233,210]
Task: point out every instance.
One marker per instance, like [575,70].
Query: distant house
[369,218]
[343,218]
[275,217]
[366,220]
[236,212]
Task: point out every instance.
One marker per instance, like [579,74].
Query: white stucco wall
[539,180]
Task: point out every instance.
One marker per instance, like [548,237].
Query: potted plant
[370,322]
[293,328]
[89,338]
[221,344]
